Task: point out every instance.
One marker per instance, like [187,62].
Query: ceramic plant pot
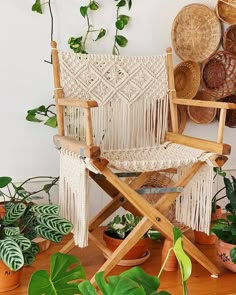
[138,251]
[223,255]
[203,238]
[9,280]
[172,263]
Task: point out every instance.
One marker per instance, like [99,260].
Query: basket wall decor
[231,114]
[226,11]
[229,39]
[218,75]
[187,79]
[196,32]
[202,115]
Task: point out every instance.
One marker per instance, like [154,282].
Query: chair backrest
[132,97]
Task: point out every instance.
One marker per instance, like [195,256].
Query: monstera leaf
[58,282]
[11,254]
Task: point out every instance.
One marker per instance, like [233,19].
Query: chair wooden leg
[155,218]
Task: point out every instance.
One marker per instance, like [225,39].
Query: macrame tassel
[193,207]
[73,195]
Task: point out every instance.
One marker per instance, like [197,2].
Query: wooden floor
[200,282]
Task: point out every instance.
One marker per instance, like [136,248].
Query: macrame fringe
[74,195]
[193,207]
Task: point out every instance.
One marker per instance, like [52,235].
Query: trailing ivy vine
[78,45]
[121,21]
[43,114]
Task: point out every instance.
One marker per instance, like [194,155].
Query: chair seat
[167,155]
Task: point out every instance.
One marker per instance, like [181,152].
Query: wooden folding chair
[79,80]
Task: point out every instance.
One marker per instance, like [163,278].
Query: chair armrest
[71,102]
[204,103]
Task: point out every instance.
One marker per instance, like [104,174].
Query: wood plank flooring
[200,282]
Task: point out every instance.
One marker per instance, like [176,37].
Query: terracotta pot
[139,250]
[2,211]
[223,255]
[172,263]
[9,280]
[204,239]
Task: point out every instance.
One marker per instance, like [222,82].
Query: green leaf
[176,234]
[11,254]
[37,7]
[29,258]
[14,213]
[75,44]
[124,18]
[46,209]
[83,10]
[22,242]
[86,288]
[102,33]
[4,181]
[61,275]
[184,261]
[11,231]
[51,122]
[121,3]
[121,40]
[233,255]
[129,4]
[48,234]
[94,5]
[32,118]
[56,223]
[120,24]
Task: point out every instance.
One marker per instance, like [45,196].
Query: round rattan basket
[218,74]
[230,120]
[229,39]
[202,115]
[196,32]
[187,79]
[226,11]
[182,118]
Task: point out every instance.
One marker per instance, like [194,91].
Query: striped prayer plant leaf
[11,230]
[34,248]
[22,242]
[30,234]
[29,258]
[14,213]
[48,234]
[11,254]
[46,209]
[56,223]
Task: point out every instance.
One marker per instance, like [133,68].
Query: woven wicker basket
[231,114]
[202,115]
[196,32]
[229,39]
[182,118]
[187,79]
[162,180]
[226,11]
[218,75]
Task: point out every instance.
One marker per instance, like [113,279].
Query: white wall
[26,81]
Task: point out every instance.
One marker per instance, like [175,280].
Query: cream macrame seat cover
[129,125]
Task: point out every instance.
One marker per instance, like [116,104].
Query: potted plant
[134,281]
[21,222]
[216,213]
[225,228]
[119,228]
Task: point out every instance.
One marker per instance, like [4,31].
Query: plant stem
[114,49]
[164,263]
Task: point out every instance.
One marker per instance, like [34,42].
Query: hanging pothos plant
[78,44]
[47,114]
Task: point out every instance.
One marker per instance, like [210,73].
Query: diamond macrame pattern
[99,78]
